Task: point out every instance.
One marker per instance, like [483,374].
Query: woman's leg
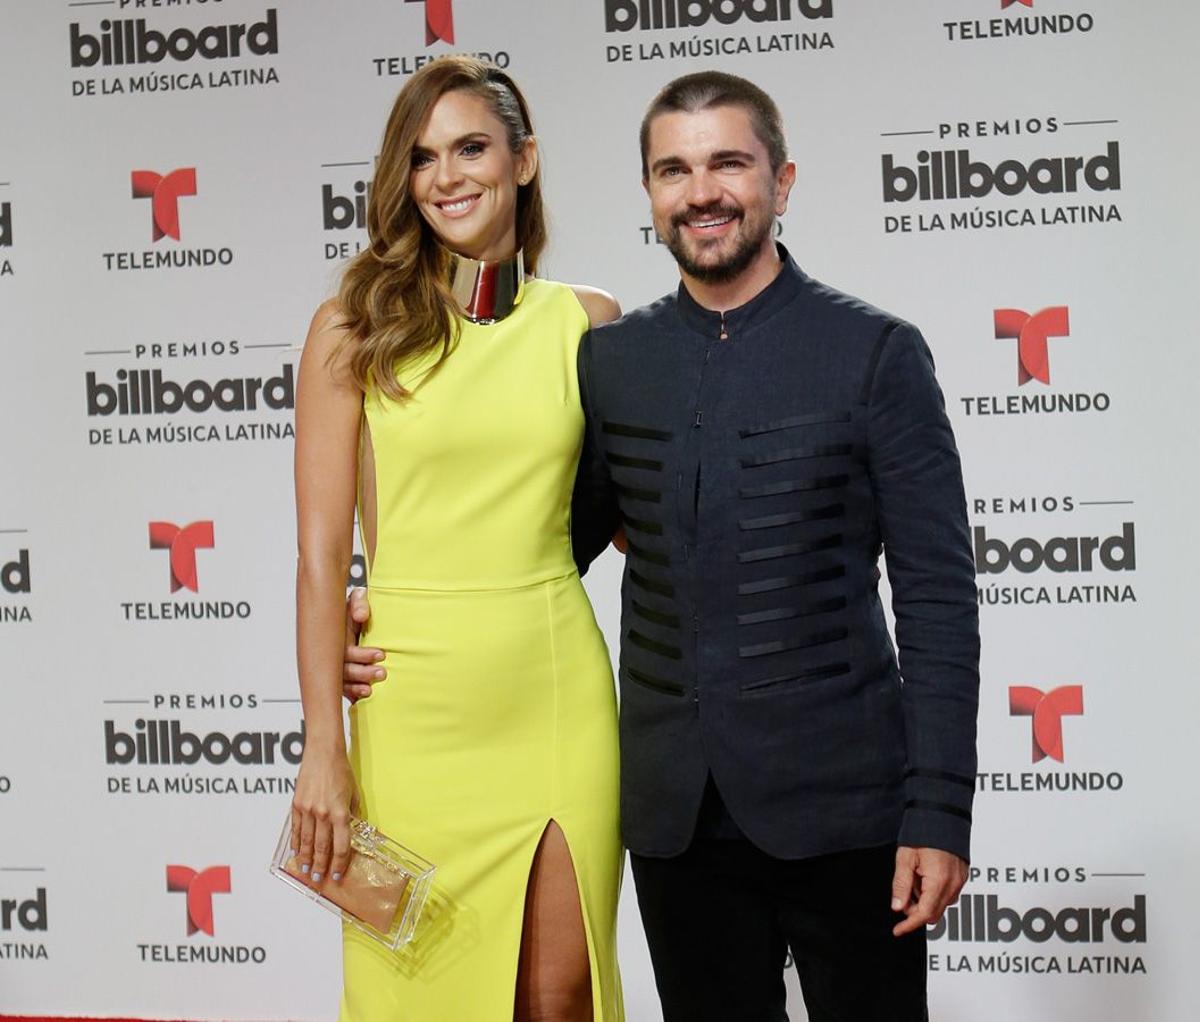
[553,975]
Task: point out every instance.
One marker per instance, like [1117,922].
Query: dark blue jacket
[758,478]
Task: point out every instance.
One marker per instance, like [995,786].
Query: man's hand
[926,881]
[361,669]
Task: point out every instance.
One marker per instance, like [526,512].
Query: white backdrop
[1083,904]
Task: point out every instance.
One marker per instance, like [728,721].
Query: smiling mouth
[456,206]
[709,222]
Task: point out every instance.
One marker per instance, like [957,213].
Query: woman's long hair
[394,296]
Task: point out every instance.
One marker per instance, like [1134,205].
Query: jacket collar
[786,285]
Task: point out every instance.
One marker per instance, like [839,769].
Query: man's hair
[707,89]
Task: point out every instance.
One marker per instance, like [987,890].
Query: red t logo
[183,544]
[439,20]
[1032,332]
[1047,710]
[200,888]
[163,193]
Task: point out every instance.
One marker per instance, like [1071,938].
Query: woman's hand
[325,797]
[361,668]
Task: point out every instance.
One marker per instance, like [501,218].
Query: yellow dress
[498,714]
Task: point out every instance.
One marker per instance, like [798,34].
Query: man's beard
[748,246]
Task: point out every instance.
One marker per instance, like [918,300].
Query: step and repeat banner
[180,183]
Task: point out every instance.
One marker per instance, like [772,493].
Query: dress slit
[594,977]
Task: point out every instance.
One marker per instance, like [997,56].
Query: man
[759,436]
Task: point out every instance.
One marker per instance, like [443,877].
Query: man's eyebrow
[732,154]
[666,161]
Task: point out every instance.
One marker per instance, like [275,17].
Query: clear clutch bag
[381,892]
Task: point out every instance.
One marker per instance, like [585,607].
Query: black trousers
[721,918]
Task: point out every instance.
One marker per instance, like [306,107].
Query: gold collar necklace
[485,291]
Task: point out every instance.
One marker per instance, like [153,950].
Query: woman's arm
[328,413]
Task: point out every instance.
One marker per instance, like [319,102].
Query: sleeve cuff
[937,811]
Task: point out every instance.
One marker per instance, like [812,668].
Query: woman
[439,392]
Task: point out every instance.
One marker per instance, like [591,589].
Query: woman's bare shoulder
[325,343]
[600,306]
[328,324]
